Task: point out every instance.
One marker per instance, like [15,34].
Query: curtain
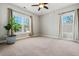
[9,16]
[31,26]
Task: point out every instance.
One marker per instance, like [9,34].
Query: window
[24,21]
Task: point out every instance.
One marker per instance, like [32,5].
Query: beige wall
[49,25]
[4,14]
[50,22]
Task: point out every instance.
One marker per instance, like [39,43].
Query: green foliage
[12,25]
[16,27]
[7,27]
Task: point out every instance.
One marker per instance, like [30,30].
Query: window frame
[26,16]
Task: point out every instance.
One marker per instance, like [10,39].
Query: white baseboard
[35,35]
[50,36]
[2,41]
[23,37]
[58,38]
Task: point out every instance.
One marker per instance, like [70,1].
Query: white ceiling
[51,6]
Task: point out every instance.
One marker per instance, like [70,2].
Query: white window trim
[21,14]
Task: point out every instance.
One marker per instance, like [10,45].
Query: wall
[35,25]
[4,19]
[50,22]
[49,25]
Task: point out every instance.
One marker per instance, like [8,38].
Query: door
[67,25]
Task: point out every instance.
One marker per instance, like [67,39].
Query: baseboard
[24,37]
[35,35]
[50,36]
[2,41]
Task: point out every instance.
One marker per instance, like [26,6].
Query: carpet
[40,46]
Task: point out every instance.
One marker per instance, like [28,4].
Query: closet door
[67,25]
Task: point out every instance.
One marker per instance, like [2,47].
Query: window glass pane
[23,21]
[26,25]
[18,20]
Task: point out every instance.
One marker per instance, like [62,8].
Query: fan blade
[46,7]
[39,9]
[45,3]
[35,5]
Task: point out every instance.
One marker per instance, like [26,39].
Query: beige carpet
[40,46]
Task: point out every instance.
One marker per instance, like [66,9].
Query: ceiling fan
[41,5]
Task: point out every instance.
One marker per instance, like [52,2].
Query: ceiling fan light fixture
[41,6]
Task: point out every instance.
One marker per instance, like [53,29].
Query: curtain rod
[19,12]
[65,12]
